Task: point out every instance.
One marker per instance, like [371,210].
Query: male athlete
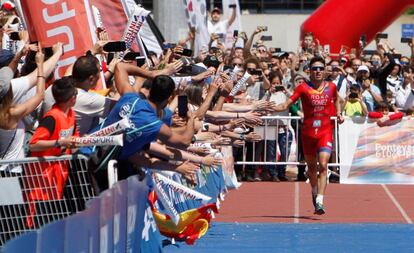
[317,98]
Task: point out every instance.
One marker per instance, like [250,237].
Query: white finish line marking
[399,207]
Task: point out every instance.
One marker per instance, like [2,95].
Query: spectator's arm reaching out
[21,110]
[232,17]
[177,140]
[123,70]
[49,66]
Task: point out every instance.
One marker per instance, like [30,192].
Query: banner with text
[370,154]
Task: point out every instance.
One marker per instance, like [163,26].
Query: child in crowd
[57,127]
[354,105]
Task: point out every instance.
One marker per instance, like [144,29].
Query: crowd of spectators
[40,116]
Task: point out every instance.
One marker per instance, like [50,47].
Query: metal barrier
[37,191]
[269,131]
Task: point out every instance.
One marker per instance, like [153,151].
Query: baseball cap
[8,5]
[6,75]
[216,9]
[363,68]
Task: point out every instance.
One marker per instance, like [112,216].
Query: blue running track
[315,238]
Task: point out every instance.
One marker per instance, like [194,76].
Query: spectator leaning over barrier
[11,113]
[146,114]
[89,106]
[54,135]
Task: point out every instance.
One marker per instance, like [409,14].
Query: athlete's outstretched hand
[340,118]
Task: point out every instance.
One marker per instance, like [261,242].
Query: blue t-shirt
[142,114]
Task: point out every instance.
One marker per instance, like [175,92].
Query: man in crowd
[217,26]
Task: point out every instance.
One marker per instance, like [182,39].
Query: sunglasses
[404,63]
[237,64]
[317,68]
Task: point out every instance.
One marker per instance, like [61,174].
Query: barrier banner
[370,154]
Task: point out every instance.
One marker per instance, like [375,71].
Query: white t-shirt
[89,108]
[344,86]
[217,28]
[12,141]
[279,98]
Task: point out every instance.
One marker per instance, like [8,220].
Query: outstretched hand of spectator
[252,117]
[210,160]
[253,137]
[57,48]
[98,47]
[174,67]
[40,56]
[188,170]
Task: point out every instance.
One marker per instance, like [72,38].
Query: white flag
[237,22]
[197,18]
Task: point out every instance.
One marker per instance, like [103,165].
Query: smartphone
[220,35]
[232,5]
[269,66]
[382,36]
[115,46]
[187,52]
[278,50]
[227,67]
[266,38]
[130,56]
[263,28]
[369,52]
[406,40]
[256,72]
[363,38]
[235,33]
[14,36]
[182,106]
[279,88]
[140,61]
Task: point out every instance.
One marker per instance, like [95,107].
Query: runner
[317,98]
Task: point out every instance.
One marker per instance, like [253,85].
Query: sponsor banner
[370,154]
[115,140]
[50,22]
[135,23]
[239,84]
[177,187]
[113,128]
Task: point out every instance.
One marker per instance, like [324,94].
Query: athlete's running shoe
[319,209]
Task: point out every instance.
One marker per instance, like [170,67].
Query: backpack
[340,81]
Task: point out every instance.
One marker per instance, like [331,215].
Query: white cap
[363,68]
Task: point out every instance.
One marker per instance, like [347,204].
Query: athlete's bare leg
[323,171]
[312,164]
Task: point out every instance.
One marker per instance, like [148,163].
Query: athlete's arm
[338,107]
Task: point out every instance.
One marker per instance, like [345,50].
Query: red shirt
[318,106]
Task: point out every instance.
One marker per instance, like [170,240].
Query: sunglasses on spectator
[250,70]
[317,68]
[237,64]
[404,63]
[262,51]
